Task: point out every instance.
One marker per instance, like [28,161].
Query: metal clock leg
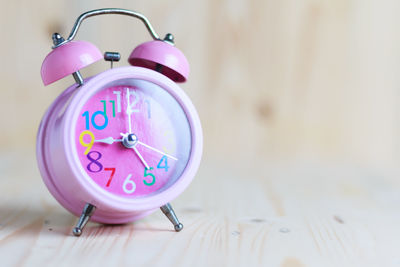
[78,77]
[170,213]
[87,212]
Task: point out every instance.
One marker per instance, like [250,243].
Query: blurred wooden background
[299,105]
[271,79]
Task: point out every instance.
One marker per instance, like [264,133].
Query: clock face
[133,138]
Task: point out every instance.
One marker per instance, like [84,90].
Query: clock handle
[68,56]
[87,212]
[170,213]
[105,11]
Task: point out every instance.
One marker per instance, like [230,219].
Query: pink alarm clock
[117,146]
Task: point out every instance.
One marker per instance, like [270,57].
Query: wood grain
[292,214]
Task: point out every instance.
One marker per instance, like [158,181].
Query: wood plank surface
[283,214]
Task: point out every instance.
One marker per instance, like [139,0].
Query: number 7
[112,175]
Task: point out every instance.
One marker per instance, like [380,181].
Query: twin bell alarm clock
[117,146]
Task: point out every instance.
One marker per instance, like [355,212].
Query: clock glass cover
[133,138]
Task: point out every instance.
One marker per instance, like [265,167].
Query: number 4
[165,166]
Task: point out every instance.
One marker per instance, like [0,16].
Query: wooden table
[298,213]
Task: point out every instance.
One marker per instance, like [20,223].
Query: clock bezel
[99,195]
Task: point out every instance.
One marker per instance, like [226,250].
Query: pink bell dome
[67,59]
[162,57]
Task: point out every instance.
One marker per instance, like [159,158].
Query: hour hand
[108,140]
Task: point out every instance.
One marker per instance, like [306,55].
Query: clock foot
[87,212]
[170,213]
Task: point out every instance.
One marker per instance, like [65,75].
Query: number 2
[135,101]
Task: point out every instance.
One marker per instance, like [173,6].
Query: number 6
[129,182]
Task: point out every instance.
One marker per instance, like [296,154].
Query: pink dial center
[151,131]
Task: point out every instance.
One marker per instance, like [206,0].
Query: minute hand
[128,111]
[156,150]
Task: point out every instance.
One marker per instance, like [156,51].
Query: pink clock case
[60,166]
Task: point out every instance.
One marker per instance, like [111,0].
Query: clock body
[82,158]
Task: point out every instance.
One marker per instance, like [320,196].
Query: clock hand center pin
[129,141]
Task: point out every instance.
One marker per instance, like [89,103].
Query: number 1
[113,104]
[148,108]
[86,115]
[104,106]
[118,93]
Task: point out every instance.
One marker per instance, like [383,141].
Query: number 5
[149,174]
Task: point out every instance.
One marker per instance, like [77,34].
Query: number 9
[87,145]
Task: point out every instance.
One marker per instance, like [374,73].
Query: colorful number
[149,174]
[118,93]
[97,127]
[165,160]
[86,114]
[129,182]
[112,175]
[87,145]
[113,105]
[105,108]
[94,161]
